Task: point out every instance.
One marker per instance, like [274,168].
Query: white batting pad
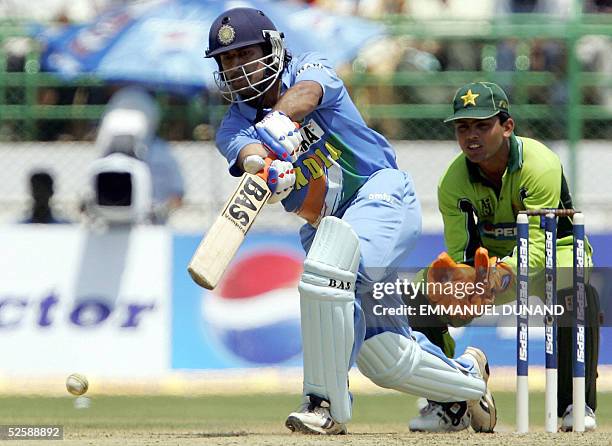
[396,362]
[327,301]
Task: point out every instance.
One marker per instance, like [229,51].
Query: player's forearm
[456,235]
[300,100]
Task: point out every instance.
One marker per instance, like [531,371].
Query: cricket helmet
[238,28]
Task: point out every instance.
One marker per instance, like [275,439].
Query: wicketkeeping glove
[445,277]
[495,275]
[280,134]
[456,284]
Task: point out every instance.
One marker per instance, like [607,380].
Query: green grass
[235,413]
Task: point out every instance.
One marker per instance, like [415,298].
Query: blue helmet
[239,28]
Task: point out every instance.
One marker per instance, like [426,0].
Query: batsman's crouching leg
[413,365]
[431,325]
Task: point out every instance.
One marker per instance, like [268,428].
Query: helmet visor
[250,80]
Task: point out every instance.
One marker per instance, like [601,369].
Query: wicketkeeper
[496,175]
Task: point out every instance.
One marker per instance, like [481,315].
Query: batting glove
[281,175]
[281,180]
[280,135]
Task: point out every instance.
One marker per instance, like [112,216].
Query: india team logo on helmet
[255,312]
[226,35]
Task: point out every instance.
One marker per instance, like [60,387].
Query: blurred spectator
[536,55]
[371,9]
[559,8]
[129,127]
[595,52]
[380,58]
[598,6]
[41,190]
[55,129]
[46,10]
[453,54]
[349,7]
[64,129]
[376,9]
[386,56]
[450,9]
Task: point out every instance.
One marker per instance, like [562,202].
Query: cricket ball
[77,384]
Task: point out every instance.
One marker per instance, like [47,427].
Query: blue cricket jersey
[339,151]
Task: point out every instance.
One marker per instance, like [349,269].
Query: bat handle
[263,174]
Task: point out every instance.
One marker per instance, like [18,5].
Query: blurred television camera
[137,180]
[119,190]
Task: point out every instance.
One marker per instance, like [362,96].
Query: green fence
[569,98]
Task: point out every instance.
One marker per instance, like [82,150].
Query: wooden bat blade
[227,233]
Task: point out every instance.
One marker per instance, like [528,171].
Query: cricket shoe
[314,418]
[441,417]
[567,421]
[483,411]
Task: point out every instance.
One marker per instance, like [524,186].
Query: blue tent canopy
[161,43]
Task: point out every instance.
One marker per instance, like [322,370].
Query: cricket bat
[227,233]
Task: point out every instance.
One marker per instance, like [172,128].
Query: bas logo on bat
[245,203]
[225,236]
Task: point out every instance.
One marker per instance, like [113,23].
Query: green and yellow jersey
[477,213]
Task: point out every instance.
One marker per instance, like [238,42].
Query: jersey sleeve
[234,133]
[539,189]
[458,236]
[313,67]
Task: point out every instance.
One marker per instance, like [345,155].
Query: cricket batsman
[496,175]
[362,216]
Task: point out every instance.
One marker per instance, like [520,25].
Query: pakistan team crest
[485,207]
